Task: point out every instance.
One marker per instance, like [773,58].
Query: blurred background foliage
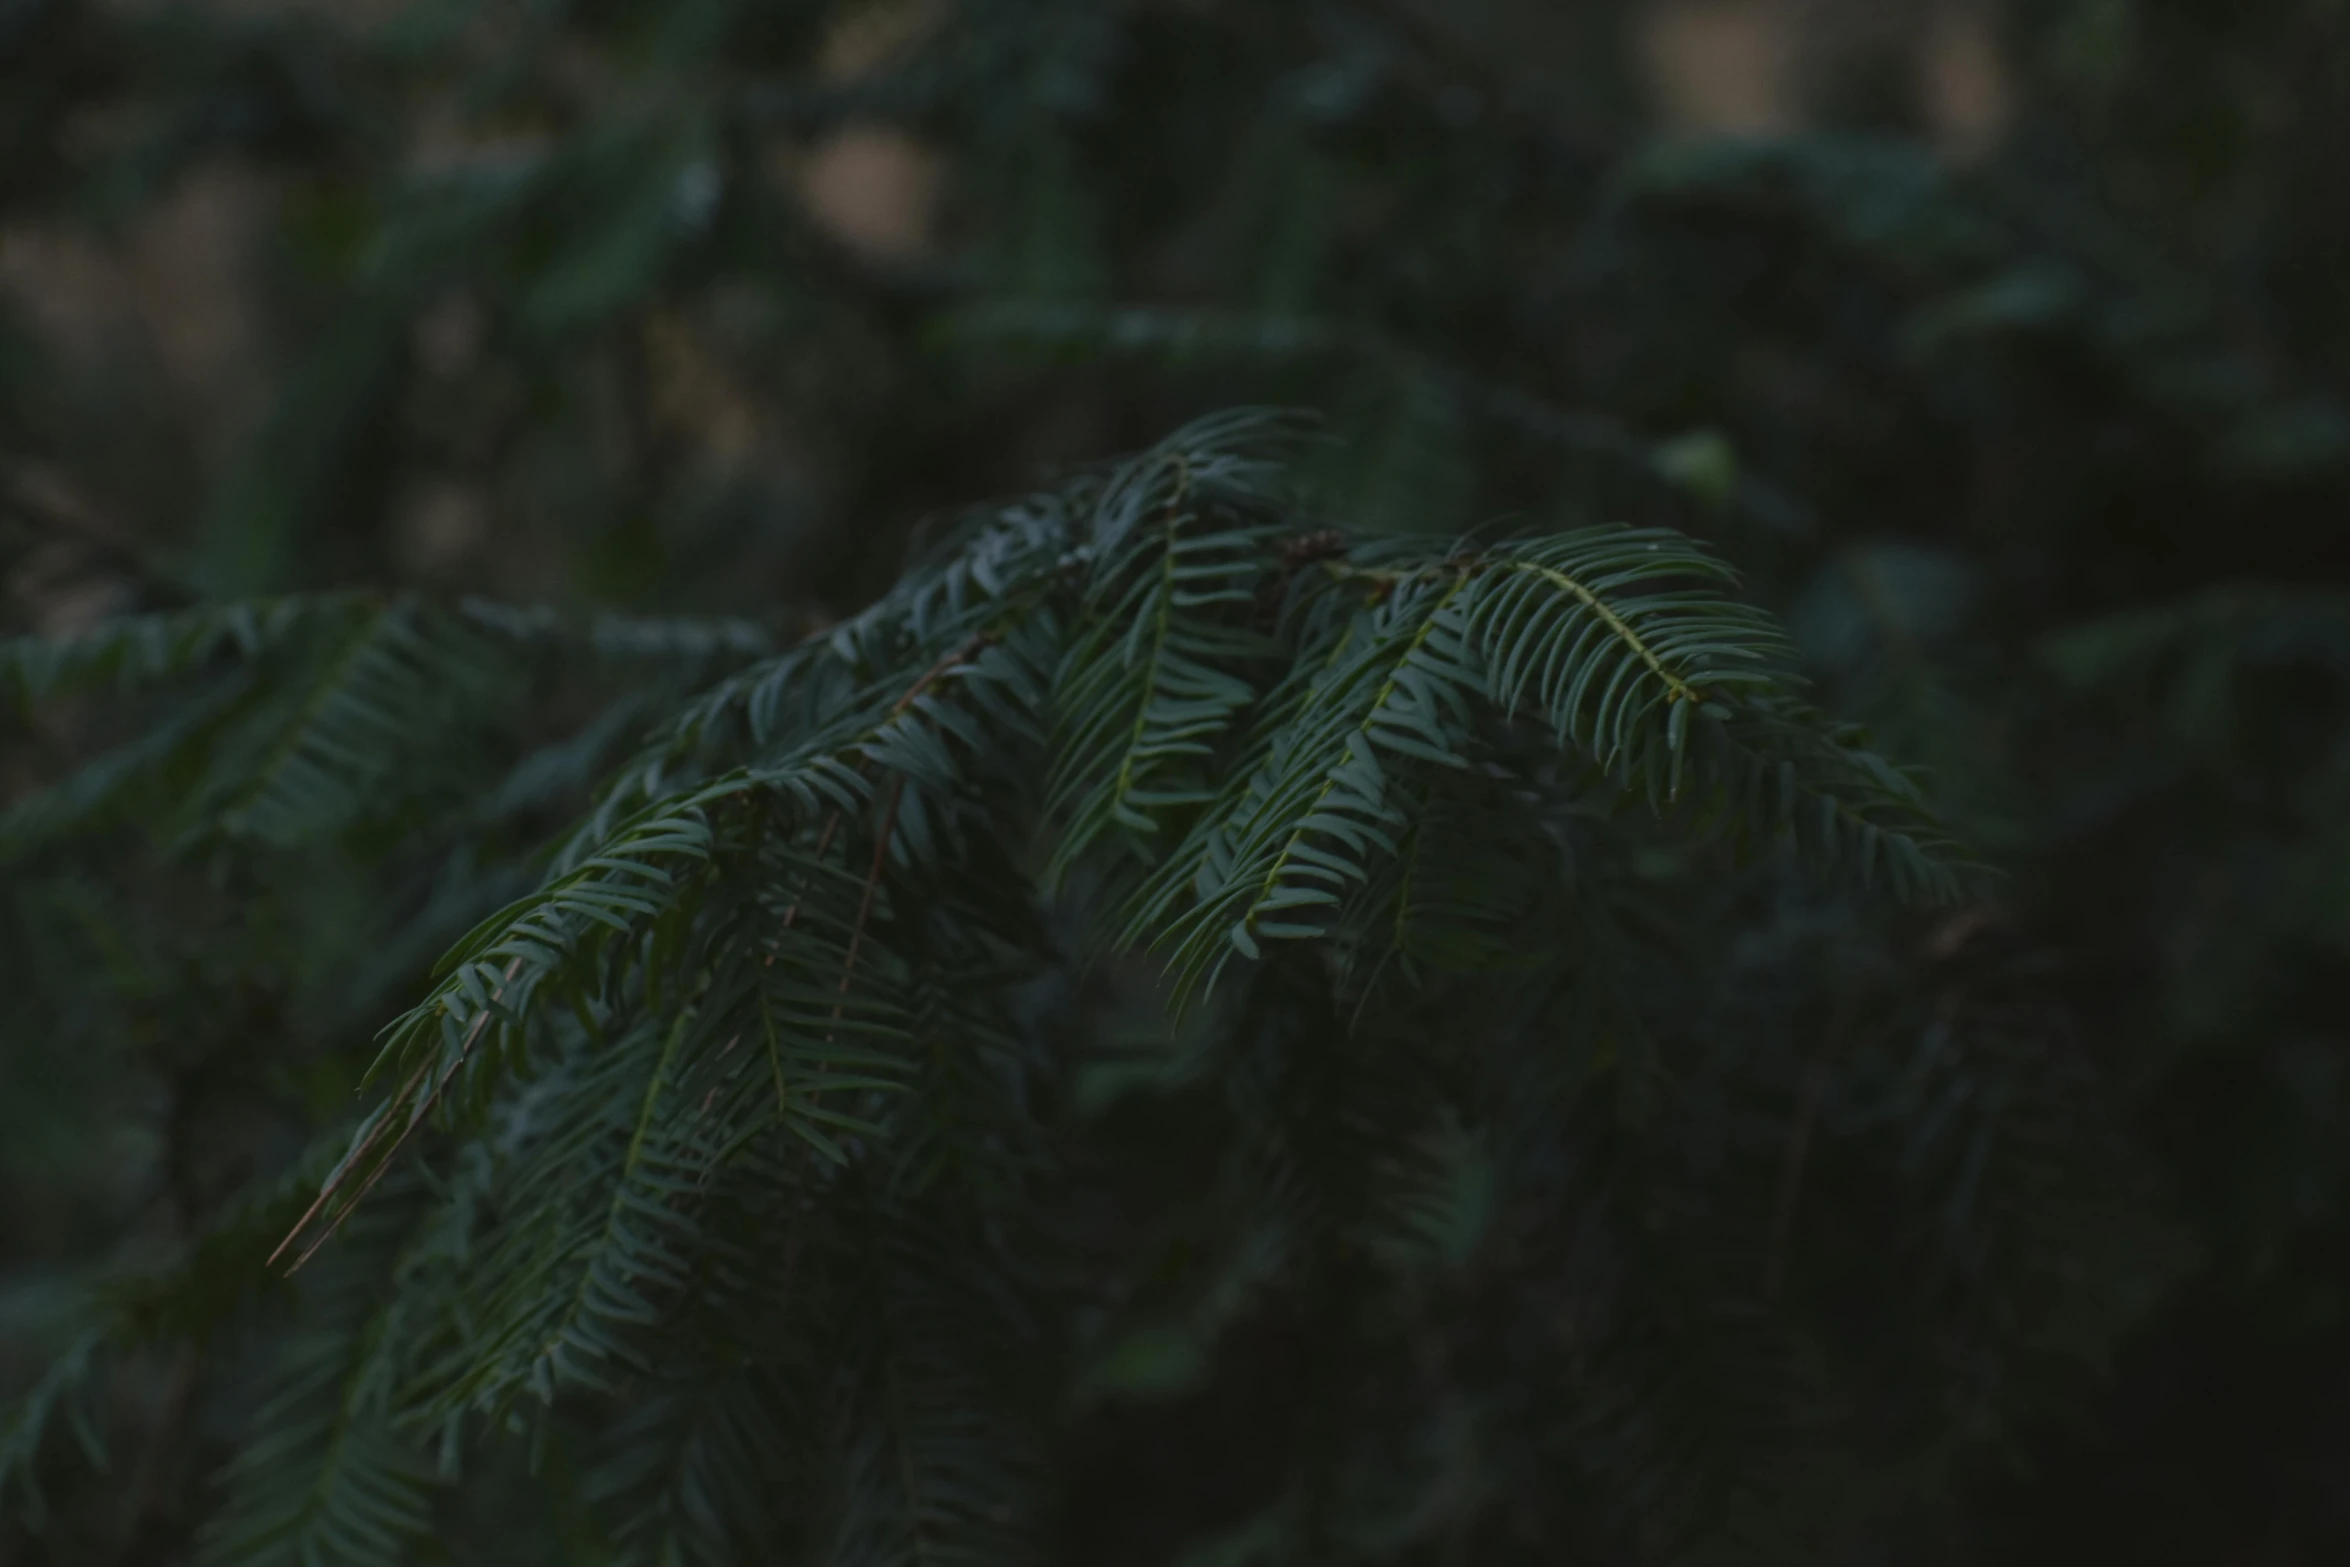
[2003,346]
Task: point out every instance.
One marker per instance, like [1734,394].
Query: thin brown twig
[931,676]
[889,815]
[913,694]
[889,818]
[333,1185]
[415,1119]
[464,1051]
[823,842]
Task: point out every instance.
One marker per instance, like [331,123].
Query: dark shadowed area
[1174,783]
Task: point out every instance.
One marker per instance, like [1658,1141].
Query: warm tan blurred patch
[1969,95]
[1724,66]
[870,36]
[873,189]
[1759,67]
[161,322]
[696,396]
[440,525]
[63,583]
[175,292]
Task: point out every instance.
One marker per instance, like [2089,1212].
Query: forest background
[2002,348]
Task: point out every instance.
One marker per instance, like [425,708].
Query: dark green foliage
[1336,986]
[770,995]
[769,992]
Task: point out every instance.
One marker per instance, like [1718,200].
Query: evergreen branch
[690,1472]
[1613,635]
[1148,690]
[1414,738]
[1318,778]
[326,1476]
[357,1158]
[872,887]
